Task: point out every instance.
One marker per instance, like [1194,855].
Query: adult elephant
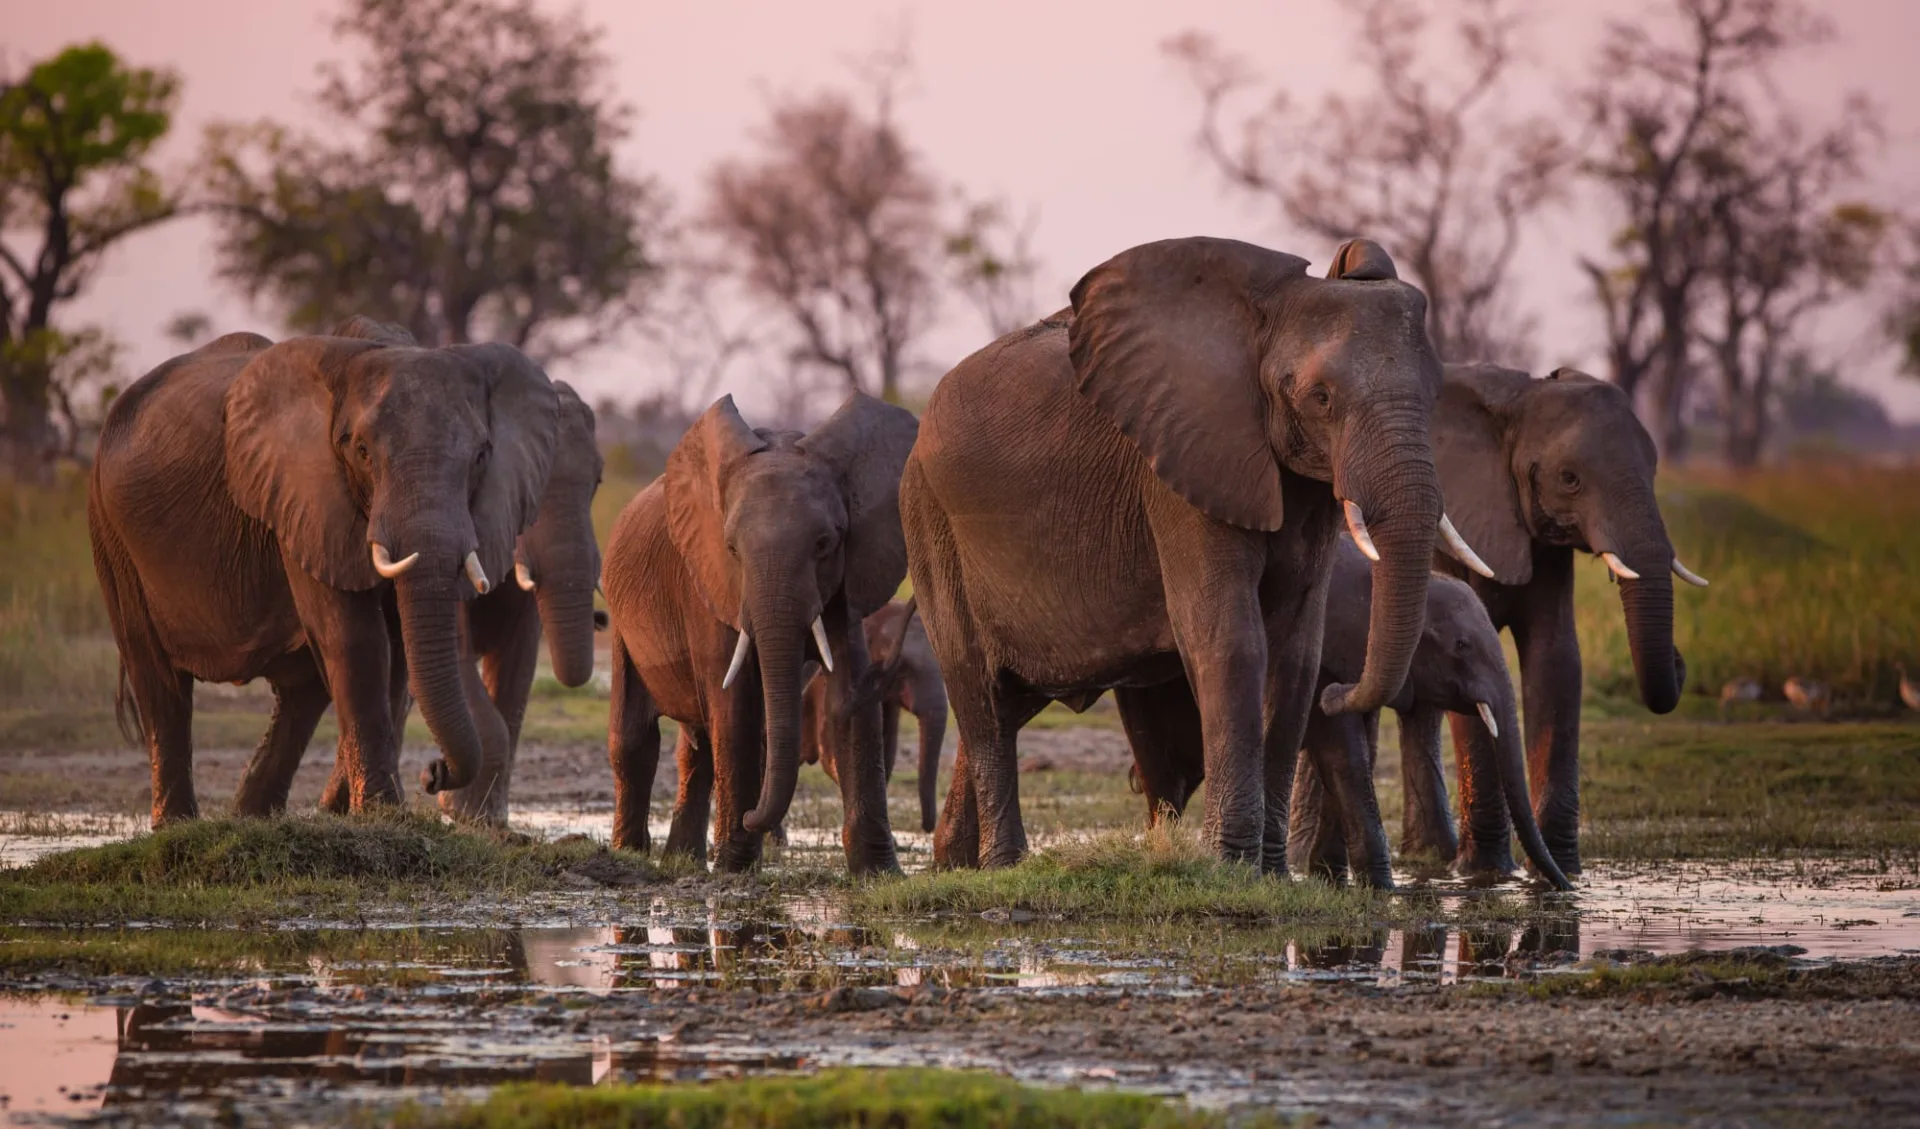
[769,546]
[1142,492]
[259,510]
[1536,471]
[908,679]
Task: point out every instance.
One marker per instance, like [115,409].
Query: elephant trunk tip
[443,776]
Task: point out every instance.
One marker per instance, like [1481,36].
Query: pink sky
[1064,107]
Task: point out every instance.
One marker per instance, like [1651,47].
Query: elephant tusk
[1619,567]
[477,574]
[1457,545]
[385,565]
[1688,575]
[739,659]
[820,641]
[1486,715]
[524,576]
[1357,528]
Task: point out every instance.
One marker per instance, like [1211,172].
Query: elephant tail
[142,658]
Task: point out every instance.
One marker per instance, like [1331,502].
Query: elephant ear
[867,442]
[281,465]
[1362,260]
[1476,478]
[696,474]
[1166,339]
[523,418]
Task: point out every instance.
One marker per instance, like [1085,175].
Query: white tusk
[1688,575]
[1457,545]
[1619,567]
[1357,527]
[477,574]
[524,576]
[1486,715]
[739,660]
[820,641]
[385,565]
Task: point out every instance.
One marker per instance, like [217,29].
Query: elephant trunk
[781,626]
[1648,605]
[566,615]
[933,733]
[430,614]
[1393,485]
[1510,761]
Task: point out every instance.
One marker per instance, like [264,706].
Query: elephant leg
[1224,650]
[297,707]
[349,636]
[1163,726]
[956,837]
[1337,747]
[338,796]
[1426,821]
[1550,680]
[164,700]
[1315,844]
[1486,840]
[633,750]
[1296,624]
[693,802]
[866,832]
[737,728]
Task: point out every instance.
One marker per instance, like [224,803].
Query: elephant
[1458,667]
[556,570]
[1140,493]
[910,681]
[301,512]
[1536,470]
[764,545]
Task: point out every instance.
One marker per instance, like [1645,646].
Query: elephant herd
[1212,486]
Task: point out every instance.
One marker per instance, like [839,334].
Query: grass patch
[897,1099]
[388,955]
[253,870]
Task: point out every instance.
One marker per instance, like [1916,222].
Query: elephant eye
[823,544]
[1569,480]
[480,456]
[360,449]
[1320,395]
[1462,645]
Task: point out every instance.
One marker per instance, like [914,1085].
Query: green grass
[390,955]
[895,1099]
[254,870]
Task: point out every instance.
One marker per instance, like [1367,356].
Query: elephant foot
[167,814]
[1479,859]
[738,855]
[1562,835]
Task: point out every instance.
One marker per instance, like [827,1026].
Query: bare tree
[1431,167]
[1785,244]
[1716,194]
[993,265]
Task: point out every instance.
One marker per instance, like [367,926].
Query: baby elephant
[1458,668]
[907,677]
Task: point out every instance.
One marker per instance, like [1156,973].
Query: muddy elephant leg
[737,728]
[633,751]
[1337,747]
[1315,844]
[1426,819]
[165,702]
[1163,726]
[1550,679]
[956,836]
[349,636]
[866,831]
[693,799]
[337,797]
[298,703]
[1486,839]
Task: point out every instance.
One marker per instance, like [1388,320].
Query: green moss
[897,1099]
[211,870]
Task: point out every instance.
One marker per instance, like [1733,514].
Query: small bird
[1909,689]
[1738,690]
[1807,695]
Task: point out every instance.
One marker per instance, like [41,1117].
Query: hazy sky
[1066,108]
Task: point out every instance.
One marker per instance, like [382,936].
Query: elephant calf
[768,546]
[1458,667]
[903,657]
